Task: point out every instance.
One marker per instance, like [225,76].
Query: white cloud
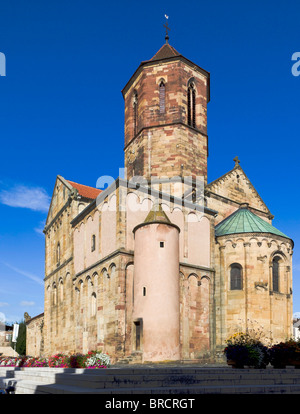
[24,273]
[40,229]
[34,198]
[27,303]
[2,304]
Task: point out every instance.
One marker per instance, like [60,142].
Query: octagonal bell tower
[166,117]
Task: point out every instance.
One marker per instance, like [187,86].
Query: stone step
[152,380]
[30,387]
[104,378]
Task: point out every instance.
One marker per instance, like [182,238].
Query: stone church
[162,265]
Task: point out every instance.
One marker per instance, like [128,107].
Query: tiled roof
[86,191]
[166,51]
[244,221]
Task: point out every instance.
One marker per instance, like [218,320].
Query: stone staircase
[151,380]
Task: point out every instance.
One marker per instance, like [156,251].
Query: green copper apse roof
[244,221]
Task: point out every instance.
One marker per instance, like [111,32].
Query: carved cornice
[258,235]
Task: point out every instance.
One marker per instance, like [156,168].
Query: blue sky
[62,111]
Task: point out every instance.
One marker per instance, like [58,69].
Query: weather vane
[167,29]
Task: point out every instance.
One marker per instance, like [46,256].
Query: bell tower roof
[165,128]
[165,52]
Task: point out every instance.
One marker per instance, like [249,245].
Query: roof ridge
[250,219]
[74,182]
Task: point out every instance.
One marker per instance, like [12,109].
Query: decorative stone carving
[262,258]
[27,317]
[262,285]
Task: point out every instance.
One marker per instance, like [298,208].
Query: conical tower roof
[244,221]
[156,215]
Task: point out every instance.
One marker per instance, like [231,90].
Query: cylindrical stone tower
[156,311]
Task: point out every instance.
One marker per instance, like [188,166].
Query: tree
[21,340]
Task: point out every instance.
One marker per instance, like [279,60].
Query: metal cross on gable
[167,29]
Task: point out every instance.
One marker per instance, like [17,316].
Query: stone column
[271,301]
[246,287]
[289,302]
[221,308]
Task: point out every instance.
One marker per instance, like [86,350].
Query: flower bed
[91,360]
[285,353]
[244,350]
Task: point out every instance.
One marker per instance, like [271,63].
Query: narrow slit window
[93,246]
[144,291]
[93,304]
[275,274]
[135,114]
[162,244]
[138,335]
[191,106]
[162,97]
[58,254]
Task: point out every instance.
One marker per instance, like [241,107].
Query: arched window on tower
[275,273]
[236,277]
[162,97]
[135,112]
[191,105]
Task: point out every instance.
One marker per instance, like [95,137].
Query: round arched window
[275,273]
[236,277]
